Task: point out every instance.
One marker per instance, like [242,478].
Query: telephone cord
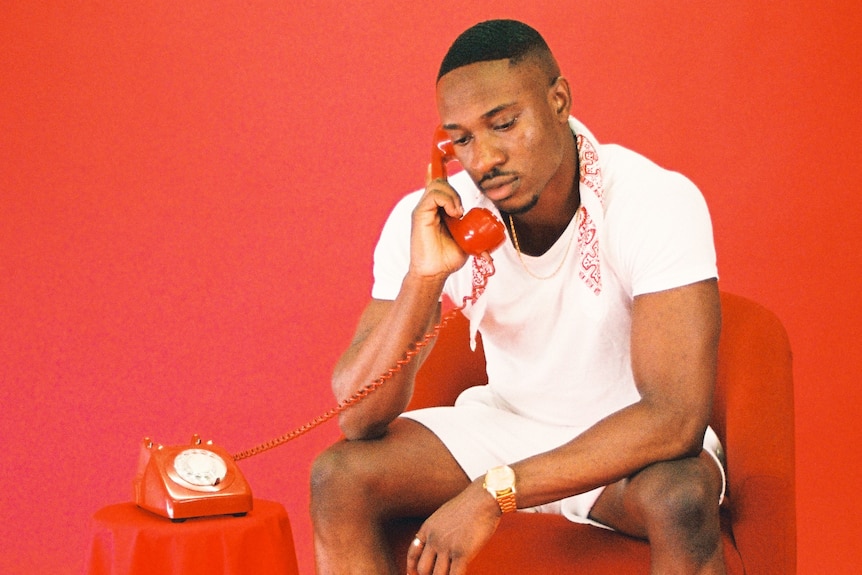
[483,268]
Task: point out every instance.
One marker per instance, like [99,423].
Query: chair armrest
[764,525]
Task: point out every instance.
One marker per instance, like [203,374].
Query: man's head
[499,40]
[504,104]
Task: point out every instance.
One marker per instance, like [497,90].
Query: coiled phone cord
[482,270]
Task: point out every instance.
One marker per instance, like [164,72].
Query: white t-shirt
[558,349]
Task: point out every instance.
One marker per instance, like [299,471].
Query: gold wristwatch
[500,483]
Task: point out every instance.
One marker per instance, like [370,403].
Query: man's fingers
[441,565]
[413,554]
[427,561]
[458,567]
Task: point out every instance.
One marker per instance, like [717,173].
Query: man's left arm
[674,353]
[674,349]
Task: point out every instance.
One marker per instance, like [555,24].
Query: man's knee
[341,478]
[681,497]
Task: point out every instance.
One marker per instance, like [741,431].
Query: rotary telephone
[202,479]
[184,481]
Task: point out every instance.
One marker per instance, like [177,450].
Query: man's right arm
[388,329]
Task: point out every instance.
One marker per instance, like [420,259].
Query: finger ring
[417,542]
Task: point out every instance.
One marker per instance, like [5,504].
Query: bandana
[592,214]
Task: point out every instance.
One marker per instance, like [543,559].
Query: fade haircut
[499,40]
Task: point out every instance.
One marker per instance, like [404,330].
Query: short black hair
[497,40]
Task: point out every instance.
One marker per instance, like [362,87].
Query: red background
[190,193]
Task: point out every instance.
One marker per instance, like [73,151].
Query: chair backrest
[450,368]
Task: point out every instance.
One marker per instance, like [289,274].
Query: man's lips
[498,188]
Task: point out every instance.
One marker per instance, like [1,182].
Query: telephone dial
[202,479]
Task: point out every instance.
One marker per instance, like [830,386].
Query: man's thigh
[627,504]
[406,472]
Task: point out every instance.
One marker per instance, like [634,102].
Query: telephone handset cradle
[201,479]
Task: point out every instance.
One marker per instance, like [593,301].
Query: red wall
[190,193]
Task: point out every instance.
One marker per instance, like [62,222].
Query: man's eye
[462,141]
[506,125]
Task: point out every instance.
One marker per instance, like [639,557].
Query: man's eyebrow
[494,111]
[489,114]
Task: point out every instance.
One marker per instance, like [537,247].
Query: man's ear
[560,98]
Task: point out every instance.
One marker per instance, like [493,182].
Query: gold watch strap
[506,500]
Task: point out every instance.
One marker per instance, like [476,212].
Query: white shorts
[480,437]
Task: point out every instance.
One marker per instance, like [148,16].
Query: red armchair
[753,415]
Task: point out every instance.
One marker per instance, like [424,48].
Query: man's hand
[433,252]
[454,534]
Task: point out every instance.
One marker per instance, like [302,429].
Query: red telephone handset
[479,230]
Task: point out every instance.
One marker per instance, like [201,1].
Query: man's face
[507,124]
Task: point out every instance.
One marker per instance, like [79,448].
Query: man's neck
[539,228]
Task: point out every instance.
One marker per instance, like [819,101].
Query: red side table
[127,540]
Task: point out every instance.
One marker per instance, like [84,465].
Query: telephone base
[187,481]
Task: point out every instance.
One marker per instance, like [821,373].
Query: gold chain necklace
[562,261]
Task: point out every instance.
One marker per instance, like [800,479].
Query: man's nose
[487,155]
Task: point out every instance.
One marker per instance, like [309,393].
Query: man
[600,328]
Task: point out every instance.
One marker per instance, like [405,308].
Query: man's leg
[674,505]
[356,486]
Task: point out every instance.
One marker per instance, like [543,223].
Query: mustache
[494,173]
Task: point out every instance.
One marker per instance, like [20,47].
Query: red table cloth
[127,540]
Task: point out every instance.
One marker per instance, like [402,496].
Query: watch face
[500,478]
[200,467]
